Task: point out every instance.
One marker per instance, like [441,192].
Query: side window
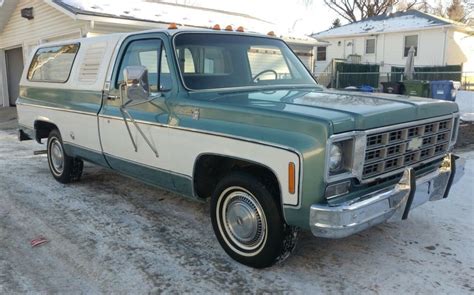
[209,60]
[268,63]
[152,55]
[186,61]
[53,64]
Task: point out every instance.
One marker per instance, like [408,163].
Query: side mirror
[136,82]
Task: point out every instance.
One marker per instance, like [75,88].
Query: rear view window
[53,64]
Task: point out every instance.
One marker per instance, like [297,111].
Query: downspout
[445,45]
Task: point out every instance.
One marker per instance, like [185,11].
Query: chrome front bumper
[389,204]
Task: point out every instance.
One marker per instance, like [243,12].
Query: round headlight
[335,157]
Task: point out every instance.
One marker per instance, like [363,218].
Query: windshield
[209,61]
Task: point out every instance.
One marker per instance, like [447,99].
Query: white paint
[178,150]
[78,128]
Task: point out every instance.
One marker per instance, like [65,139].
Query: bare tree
[456,11]
[355,10]
[336,23]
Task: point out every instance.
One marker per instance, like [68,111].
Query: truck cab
[236,118]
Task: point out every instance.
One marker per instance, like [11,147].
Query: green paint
[86,154]
[300,120]
[180,184]
[73,100]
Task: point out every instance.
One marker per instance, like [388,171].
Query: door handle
[112,97]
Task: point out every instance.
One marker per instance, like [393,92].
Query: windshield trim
[181,78]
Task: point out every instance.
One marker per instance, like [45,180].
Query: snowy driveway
[109,233]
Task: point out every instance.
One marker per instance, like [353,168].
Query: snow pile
[169,13]
[382,25]
[465,101]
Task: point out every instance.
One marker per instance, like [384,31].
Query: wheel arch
[210,168]
[42,127]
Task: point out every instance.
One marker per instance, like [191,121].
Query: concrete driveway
[109,233]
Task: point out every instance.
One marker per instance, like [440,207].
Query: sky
[285,14]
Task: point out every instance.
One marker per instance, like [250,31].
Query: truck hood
[345,111]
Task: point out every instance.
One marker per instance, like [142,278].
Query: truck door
[131,137]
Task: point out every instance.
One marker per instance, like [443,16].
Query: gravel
[109,233]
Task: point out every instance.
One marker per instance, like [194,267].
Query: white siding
[460,50]
[389,49]
[48,24]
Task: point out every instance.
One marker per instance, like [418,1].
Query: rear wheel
[63,167]
[248,222]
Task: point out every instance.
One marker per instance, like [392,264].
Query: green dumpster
[417,88]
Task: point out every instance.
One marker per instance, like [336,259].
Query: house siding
[460,50]
[48,24]
[389,49]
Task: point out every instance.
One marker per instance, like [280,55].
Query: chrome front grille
[394,149]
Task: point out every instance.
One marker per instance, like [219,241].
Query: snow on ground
[465,101]
[111,234]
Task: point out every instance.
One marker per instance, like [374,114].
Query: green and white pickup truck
[236,118]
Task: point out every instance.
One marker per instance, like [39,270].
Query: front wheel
[248,222]
[63,167]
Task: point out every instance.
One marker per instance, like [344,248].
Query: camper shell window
[53,64]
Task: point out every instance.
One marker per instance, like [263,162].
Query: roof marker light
[229,28]
[240,29]
[216,27]
[271,33]
[172,26]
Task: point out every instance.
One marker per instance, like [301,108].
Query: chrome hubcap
[244,220]
[57,156]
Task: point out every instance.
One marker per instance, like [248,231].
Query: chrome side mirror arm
[126,115]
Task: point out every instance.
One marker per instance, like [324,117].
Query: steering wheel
[263,72]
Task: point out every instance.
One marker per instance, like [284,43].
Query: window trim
[121,55]
[70,69]
[183,84]
[365,45]
[417,44]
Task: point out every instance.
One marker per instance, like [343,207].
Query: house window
[411,41]
[370,46]
[321,53]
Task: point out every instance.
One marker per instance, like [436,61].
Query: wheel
[248,222]
[63,167]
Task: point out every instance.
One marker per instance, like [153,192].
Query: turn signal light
[291,178]
[172,26]
[216,27]
[240,29]
[228,28]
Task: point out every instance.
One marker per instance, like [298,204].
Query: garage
[14,67]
